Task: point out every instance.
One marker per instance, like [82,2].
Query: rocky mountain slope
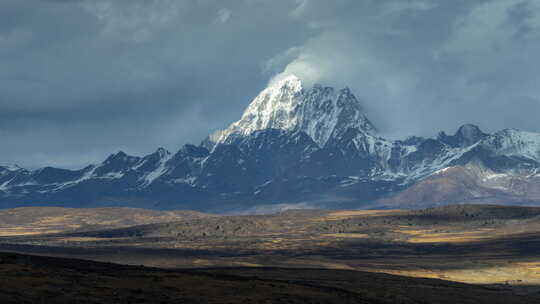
[298,147]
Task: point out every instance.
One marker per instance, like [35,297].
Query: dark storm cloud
[81,79]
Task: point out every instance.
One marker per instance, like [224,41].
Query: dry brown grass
[346,235]
[340,215]
[16,231]
[515,273]
[46,220]
[86,239]
[430,236]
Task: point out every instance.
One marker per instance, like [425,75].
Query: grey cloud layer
[427,65]
[81,79]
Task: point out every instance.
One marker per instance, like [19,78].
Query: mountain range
[297,147]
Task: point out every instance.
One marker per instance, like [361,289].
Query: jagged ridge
[290,145]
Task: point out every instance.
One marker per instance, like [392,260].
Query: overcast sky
[82,79]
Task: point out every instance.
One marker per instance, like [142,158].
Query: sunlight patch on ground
[430,236]
[87,239]
[340,215]
[513,273]
[15,231]
[346,235]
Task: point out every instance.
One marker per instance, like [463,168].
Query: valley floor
[473,244]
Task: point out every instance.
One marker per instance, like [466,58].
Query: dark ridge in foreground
[37,279]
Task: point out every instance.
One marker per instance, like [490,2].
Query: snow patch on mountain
[150,177]
[86,176]
[11,168]
[511,142]
[113,175]
[4,186]
[190,180]
[441,171]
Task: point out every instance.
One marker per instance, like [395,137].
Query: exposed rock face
[298,147]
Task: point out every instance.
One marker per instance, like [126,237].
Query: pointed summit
[321,112]
[465,136]
[162,152]
[469,134]
[290,82]
[115,157]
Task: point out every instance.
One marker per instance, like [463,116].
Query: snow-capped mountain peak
[293,144]
[321,112]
